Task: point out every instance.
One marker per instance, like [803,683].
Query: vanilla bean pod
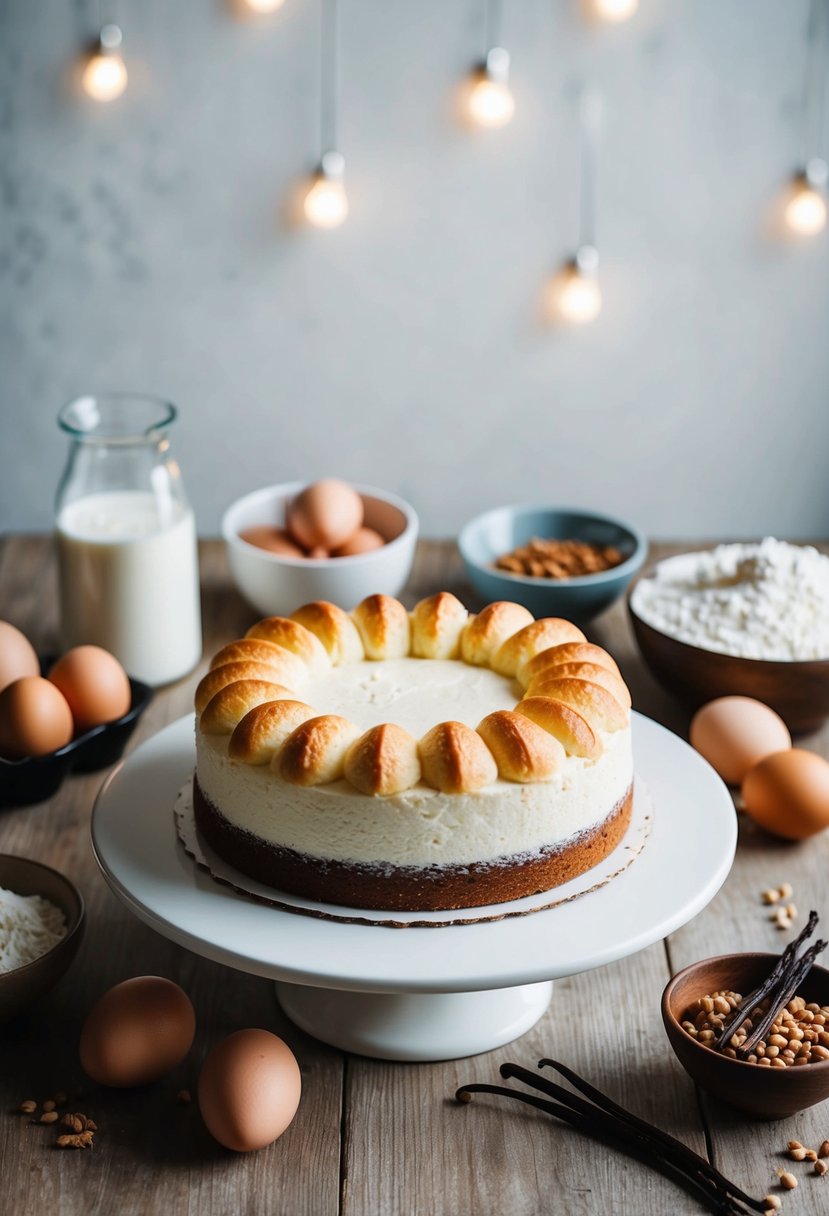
[607,1131]
[766,989]
[629,1126]
[650,1132]
[787,989]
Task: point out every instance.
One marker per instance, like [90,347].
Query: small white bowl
[277,585]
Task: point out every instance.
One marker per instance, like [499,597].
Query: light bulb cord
[107,14]
[493,12]
[814,83]
[329,74]
[590,120]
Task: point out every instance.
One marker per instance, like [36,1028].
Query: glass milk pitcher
[126,538]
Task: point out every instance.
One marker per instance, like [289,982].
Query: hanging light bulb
[577,295]
[806,208]
[615,10]
[574,295]
[490,101]
[326,203]
[105,75]
[264,6]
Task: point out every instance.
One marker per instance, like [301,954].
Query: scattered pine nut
[823,1151]
[60,1098]
[78,1122]
[29,1106]
[49,1104]
[797,1154]
[769,896]
[785,891]
[772,1202]
[820,1168]
[811,1155]
[82,1140]
[49,1116]
[787,1180]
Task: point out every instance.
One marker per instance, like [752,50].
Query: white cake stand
[416,993]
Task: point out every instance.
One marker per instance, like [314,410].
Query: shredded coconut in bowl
[29,926]
[759,601]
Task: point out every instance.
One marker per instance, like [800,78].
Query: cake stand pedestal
[416,1027]
[420,992]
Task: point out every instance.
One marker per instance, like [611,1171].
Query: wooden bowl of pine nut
[785,1073]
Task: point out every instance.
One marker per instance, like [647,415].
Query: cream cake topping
[305,707]
[412,692]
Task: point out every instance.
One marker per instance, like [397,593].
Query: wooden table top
[372,1137]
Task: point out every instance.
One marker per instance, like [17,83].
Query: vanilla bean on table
[649,1130]
[718,1202]
[603,1119]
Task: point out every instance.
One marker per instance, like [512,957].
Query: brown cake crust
[409,888]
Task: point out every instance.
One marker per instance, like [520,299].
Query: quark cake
[413,761]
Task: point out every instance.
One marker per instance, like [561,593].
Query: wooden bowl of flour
[796,688]
[22,985]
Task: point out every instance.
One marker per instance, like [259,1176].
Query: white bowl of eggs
[325,540]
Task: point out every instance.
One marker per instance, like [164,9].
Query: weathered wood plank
[409,1148]
[151,1155]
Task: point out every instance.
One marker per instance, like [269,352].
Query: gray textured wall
[143,245]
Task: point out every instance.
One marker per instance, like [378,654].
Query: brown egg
[138,1031]
[95,685]
[325,513]
[735,733]
[788,793]
[35,719]
[249,1089]
[17,656]
[363,541]
[274,540]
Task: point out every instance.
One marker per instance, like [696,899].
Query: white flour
[29,926]
[759,601]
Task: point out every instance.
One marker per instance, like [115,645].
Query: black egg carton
[23,782]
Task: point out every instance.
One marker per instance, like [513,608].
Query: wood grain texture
[372,1137]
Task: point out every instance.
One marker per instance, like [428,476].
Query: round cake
[413,761]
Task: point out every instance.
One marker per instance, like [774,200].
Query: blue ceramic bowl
[501,530]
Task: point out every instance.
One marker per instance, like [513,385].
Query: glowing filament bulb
[105,75]
[264,6]
[490,101]
[577,295]
[615,10]
[326,203]
[806,208]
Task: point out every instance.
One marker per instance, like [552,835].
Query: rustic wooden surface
[372,1138]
